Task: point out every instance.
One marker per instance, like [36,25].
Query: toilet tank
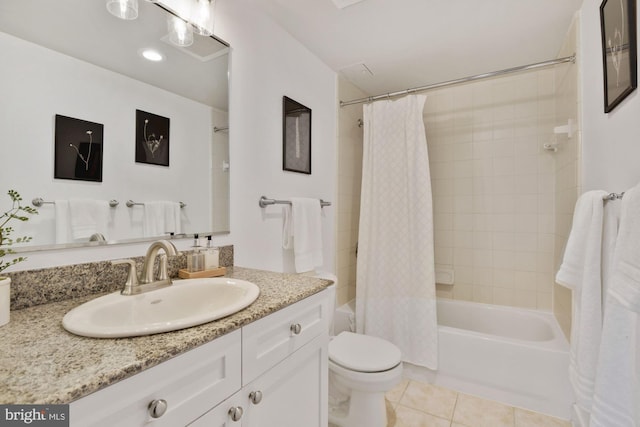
[344,318]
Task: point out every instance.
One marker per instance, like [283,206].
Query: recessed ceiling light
[152,55]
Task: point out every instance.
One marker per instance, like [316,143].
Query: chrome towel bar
[131,203]
[39,201]
[264,202]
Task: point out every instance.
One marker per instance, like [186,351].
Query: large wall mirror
[73,59]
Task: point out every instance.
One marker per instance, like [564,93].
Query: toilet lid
[363,353]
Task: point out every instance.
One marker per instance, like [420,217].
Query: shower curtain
[395,285]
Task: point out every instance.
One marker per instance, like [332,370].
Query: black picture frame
[619,50]
[296,136]
[78,147]
[152,138]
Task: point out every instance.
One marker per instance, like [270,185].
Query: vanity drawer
[191,384]
[273,338]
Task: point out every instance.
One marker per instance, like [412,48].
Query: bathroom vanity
[263,366]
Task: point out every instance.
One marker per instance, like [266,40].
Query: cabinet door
[221,415]
[294,393]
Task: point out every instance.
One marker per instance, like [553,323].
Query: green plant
[16,212]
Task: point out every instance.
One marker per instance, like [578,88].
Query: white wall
[610,141]
[266,63]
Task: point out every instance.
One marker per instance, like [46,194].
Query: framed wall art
[78,149]
[296,131]
[619,51]
[152,138]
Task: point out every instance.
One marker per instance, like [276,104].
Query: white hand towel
[63,232]
[88,217]
[617,390]
[581,271]
[161,217]
[306,223]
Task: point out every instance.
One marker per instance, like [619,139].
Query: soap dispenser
[211,256]
[195,260]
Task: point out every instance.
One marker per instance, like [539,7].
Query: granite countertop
[40,362]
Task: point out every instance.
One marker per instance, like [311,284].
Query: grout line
[455,405]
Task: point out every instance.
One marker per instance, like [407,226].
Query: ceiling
[411,43]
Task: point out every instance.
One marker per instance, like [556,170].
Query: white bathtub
[512,355]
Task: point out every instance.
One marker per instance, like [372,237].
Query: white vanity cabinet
[272,372]
[185,387]
[284,371]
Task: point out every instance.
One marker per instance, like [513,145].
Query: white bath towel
[63,231]
[160,218]
[581,272]
[88,217]
[303,228]
[617,390]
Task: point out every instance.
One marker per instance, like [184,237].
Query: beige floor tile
[431,399]
[395,393]
[407,417]
[391,413]
[472,411]
[526,418]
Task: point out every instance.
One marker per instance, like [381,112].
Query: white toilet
[362,369]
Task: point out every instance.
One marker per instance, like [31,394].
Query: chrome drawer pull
[236,413]
[255,397]
[157,408]
[296,328]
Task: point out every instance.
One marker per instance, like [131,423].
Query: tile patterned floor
[418,404]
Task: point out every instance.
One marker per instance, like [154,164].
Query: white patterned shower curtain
[395,286]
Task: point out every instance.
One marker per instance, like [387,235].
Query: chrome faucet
[147,281]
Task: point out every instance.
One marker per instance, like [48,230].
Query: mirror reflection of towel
[88,217]
[161,217]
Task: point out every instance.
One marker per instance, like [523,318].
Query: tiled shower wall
[567,167]
[493,188]
[349,180]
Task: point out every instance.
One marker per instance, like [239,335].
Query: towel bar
[131,203]
[613,196]
[39,201]
[264,202]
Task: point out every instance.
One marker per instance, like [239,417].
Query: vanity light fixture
[180,33]
[123,9]
[202,17]
[151,55]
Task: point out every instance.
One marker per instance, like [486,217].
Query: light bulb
[180,33]
[202,17]
[123,9]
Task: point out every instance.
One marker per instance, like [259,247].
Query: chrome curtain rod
[264,202]
[571,59]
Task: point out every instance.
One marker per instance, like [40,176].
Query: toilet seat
[363,353]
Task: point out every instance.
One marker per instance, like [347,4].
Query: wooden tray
[184,274]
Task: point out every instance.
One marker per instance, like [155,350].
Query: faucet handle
[132,278]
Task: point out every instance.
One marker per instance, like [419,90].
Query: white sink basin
[184,304]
